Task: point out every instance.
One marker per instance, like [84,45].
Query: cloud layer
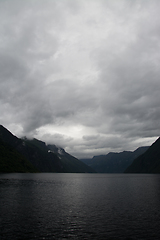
[81,74]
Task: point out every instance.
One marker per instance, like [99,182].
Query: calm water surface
[79,206]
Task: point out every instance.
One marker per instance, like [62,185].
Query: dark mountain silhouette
[12,161]
[35,156]
[69,162]
[149,162]
[113,162]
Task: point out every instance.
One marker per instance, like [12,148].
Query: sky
[84,74]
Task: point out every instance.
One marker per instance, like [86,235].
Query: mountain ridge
[37,154]
[148,162]
[114,162]
[33,155]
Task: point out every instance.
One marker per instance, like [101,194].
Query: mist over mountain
[25,155]
[81,73]
[113,162]
[33,155]
[149,162]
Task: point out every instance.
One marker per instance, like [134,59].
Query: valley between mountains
[25,155]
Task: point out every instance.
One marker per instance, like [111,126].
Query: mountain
[12,161]
[149,162]
[35,156]
[70,163]
[113,162]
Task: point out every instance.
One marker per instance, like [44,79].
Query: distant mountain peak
[114,162]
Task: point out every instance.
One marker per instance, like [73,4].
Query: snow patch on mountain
[60,151]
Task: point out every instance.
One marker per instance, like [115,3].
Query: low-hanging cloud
[82,74]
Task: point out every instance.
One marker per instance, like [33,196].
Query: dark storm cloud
[82,74]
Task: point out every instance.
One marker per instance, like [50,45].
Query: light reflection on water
[79,206]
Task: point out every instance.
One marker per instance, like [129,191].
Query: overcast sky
[83,74]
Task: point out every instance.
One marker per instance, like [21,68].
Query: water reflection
[79,206]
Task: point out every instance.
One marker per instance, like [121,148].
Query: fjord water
[79,206]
